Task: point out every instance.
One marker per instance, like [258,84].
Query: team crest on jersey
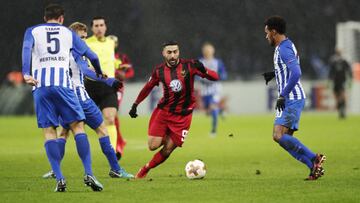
[183,73]
[175,85]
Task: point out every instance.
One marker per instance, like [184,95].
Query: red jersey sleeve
[210,74]
[151,83]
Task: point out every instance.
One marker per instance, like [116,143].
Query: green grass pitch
[232,162]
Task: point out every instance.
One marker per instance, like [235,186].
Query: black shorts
[103,95]
[338,88]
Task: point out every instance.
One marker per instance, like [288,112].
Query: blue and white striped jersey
[212,87]
[286,57]
[77,76]
[47,49]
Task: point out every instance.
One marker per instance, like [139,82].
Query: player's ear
[61,19]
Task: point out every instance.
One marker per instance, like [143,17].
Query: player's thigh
[287,121]
[108,99]
[93,116]
[46,113]
[109,114]
[179,126]
[290,116]
[206,101]
[68,106]
[157,128]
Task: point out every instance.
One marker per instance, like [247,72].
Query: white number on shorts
[278,113]
[184,134]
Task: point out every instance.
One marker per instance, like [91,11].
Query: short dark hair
[276,23]
[168,43]
[97,18]
[53,11]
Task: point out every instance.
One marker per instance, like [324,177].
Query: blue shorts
[52,103]
[290,117]
[93,116]
[210,99]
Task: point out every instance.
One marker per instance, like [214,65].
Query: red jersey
[178,86]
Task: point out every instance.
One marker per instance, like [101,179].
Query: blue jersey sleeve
[288,56]
[80,47]
[222,70]
[94,60]
[84,67]
[26,52]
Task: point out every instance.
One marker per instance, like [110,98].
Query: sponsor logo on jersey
[175,85]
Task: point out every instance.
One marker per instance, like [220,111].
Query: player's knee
[153,147]
[101,131]
[277,136]
[64,134]
[77,127]
[109,119]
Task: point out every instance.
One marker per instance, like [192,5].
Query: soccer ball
[195,169]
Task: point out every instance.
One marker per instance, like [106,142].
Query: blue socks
[297,149]
[109,152]
[83,148]
[214,116]
[53,154]
[61,143]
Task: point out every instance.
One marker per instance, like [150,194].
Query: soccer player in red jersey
[171,119]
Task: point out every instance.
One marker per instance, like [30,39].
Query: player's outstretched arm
[94,60]
[204,72]
[112,82]
[80,47]
[145,91]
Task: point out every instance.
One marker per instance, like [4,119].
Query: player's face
[208,51]
[99,27]
[82,34]
[171,54]
[270,36]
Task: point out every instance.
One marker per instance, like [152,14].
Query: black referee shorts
[103,95]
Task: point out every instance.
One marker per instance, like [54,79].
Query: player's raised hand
[268,76]
[200,66]
[280,103]
[133,110]
[30,80]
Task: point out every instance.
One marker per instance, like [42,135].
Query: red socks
[157,159]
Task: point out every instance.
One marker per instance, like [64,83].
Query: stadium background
[235,27]
[244,164]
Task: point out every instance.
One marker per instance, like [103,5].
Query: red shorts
[164,123]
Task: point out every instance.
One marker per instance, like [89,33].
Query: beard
[271,42]
[172,62]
